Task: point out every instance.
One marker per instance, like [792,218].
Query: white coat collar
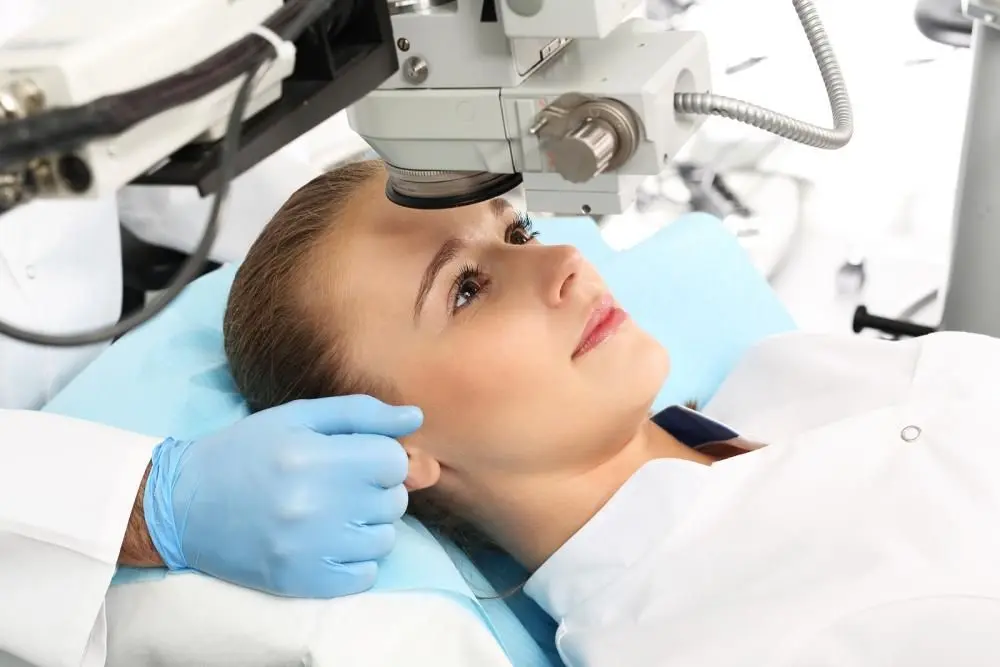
[660,493]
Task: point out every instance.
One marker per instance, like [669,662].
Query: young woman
[865,533]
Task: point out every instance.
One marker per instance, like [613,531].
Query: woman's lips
[603,323]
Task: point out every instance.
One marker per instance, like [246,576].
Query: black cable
[288,25]
[191,268]
[65,130]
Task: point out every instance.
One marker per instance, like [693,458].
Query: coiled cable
[708,104]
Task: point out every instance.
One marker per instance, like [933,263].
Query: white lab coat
[865,534]
[66,487]
[66,491]
[60,272]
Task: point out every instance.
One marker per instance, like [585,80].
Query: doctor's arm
[138,549]
[73,502]
[67,490]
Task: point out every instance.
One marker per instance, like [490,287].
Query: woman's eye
[519,232]
[468,289]
[520,236]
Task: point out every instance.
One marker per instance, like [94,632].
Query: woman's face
[485,329]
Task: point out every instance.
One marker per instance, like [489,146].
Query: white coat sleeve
[66,491]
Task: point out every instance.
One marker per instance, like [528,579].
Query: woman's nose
[562,266]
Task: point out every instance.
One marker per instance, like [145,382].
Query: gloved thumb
[345,415]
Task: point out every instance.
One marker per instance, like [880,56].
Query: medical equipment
[494,90]
[972,299]
[894,327]
[171,376]
[560,95]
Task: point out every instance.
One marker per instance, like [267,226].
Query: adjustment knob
[585,152]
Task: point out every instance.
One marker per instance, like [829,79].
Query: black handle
[865,320]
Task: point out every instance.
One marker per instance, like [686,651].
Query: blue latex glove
[298,500]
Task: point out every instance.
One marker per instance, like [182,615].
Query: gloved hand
[298,500]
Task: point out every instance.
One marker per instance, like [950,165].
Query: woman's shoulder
[802,360]
[958,363]
[823,375]
[828,376]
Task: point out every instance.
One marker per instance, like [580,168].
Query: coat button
[910,433]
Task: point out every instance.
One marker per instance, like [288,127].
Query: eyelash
[470,273]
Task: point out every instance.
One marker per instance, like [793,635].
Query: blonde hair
[278,349]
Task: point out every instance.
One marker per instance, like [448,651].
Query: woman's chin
[644,377]
[630,376]
[653,366]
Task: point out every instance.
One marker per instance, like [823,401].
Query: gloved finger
[366,543]
[338,579]
[342,415]
[389,464]
[374,460]
[383,505]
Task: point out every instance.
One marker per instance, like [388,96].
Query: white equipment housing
[468,92]
[87,50]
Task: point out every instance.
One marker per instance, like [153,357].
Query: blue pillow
[691,286]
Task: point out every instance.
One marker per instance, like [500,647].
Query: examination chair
[691,285]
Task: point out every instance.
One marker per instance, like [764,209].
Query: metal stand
[972,301]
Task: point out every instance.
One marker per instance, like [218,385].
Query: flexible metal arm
[707,104]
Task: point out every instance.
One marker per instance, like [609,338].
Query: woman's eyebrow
[500,206]
[446,253]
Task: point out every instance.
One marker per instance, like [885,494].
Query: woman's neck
[532,521]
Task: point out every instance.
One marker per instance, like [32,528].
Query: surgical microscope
[575,101]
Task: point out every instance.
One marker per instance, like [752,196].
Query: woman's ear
[424,471]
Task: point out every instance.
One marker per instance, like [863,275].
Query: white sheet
[190,619]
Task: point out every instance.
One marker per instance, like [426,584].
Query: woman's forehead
[399,242]
[414,229]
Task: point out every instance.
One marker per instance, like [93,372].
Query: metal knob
[585,152]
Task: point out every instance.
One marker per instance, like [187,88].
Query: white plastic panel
[605,194]
[638,65]
[435,129]
[459,50]
[586,19]
[90,49]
